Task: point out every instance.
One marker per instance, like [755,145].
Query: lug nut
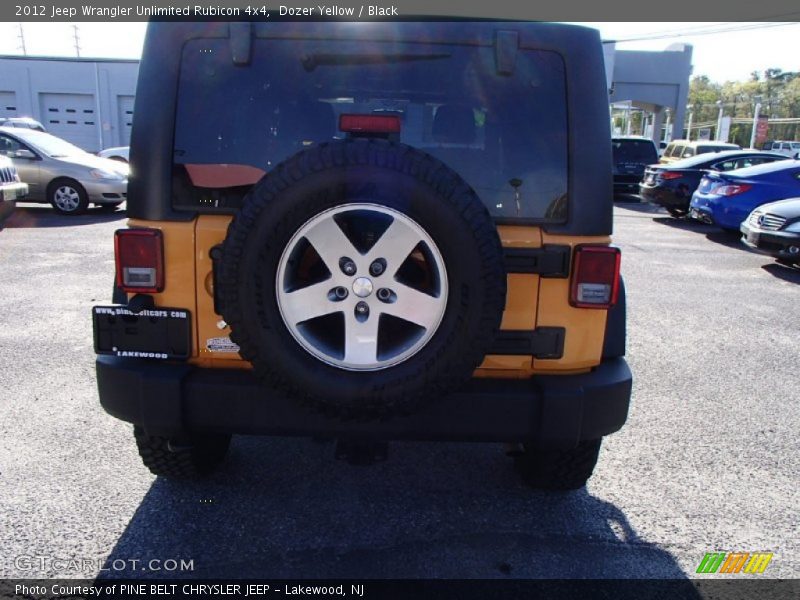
[377,267]
[362,311]
[340,293]
[347,266]
[384,294]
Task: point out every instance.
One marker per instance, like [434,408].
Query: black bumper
[665,198]
[552,411]
[626,184]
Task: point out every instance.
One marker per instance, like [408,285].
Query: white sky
[731,55]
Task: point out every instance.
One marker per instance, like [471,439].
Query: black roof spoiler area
[506,44]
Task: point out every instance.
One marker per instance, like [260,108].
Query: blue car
[725,199]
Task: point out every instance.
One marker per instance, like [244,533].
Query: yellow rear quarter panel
[532,301]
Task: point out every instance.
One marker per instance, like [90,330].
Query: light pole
[667,135]
[718,137]
[755,121]
[689,107]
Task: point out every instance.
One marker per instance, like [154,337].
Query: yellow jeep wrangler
[374,232]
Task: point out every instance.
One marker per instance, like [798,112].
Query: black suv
[631,155]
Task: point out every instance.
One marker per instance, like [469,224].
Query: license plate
[10,194]
[752,238]
[158,333]
[650,179]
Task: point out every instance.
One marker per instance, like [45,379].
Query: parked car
[791,149]
[23,122]
[62,174]
[774,229]
[358,256]
[725,199]
[120,153]
[11,188]
[678,149]
[630,155]
[672,186]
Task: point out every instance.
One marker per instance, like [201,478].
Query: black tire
[558,470]
[195,457]
[403,179]
[70,187]
[678,213]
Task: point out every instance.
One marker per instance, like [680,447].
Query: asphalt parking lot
[707,462]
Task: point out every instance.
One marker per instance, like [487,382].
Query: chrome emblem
[362,287]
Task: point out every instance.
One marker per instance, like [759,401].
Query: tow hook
[361,452]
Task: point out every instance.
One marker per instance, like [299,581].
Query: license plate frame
[160,333]
[752,237]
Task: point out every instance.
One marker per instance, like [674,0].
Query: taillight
[666,175]
[140,260]
[369,123]
[595,276]
[731,189]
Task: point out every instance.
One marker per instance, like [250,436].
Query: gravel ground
[708,460]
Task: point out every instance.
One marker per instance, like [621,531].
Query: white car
[791,149]
[119,153]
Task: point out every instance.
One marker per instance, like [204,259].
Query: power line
[21,36]
[705,30]
[77,40]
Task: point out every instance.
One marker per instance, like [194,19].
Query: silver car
[11,189]
[62,174]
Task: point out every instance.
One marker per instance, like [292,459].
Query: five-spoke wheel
[362,286]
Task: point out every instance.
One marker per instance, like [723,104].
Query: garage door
[125,112]
[71,117]
[8,104]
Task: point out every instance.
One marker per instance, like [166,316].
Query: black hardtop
[590,184]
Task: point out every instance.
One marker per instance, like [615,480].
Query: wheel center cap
[362,287]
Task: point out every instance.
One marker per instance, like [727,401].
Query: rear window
[234,123]
[634,151]
[677,150]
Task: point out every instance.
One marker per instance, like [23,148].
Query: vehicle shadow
[644,207]
[34,217]
[627,197]
[686,224]
[731,239]
[785,272]
[284,508]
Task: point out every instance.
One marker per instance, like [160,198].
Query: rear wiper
[312,61]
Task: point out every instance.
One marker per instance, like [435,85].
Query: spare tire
[363,277]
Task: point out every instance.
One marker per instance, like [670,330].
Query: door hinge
[542,342]
[548,261]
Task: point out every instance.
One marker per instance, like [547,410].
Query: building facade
[88,102]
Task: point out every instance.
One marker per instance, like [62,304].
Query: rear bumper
[171,399]
[663,197]
[627,184]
